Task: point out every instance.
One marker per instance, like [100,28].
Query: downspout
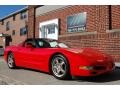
[34,22]
[110,16]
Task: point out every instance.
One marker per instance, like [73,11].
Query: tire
[60,67]
[11,61]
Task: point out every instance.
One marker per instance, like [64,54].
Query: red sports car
[58,59]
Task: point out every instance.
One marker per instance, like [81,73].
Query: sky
[7,9]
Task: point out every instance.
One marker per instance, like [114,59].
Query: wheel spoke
[56,61]
[62,63]
[58,71]
[10,62]
[62,70]
[10,57]
[55,69]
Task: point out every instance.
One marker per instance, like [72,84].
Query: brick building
[99,25]
[96,26]
[13,28]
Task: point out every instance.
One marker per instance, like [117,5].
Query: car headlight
[86,67]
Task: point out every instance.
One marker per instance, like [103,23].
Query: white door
[49,29]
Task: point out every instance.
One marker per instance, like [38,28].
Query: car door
[25,54]
[42,54]
[34,57]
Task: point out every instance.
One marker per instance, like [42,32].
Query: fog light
[86,67]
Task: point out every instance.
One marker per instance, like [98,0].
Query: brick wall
[96,17]
[116,16]
[14,25]
[30,21]
[109,42]
[97,34]
[2,41]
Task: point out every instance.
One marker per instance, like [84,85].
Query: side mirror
[28,45]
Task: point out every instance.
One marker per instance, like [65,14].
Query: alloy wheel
[58,67]
[11,61]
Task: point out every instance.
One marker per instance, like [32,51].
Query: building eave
[14,13]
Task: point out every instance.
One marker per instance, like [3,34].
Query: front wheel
[10,61]
[60,67]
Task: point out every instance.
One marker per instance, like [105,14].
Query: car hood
[91,54]
[75,50]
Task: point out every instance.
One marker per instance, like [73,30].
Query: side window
[23,15]
[8,26]
[14,17]
[13,32]
[43,44]
[23,31]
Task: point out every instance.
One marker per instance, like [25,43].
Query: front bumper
[97,70]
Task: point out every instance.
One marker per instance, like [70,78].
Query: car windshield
[47,43]
[57,44]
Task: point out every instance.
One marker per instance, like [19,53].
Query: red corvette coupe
[55,57]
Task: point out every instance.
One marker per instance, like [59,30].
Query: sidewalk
[4,80]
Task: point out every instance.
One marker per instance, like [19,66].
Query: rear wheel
[60,67]
[11,61]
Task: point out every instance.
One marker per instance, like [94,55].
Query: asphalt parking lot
[22,76]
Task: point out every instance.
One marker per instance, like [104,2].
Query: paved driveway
[26,76]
